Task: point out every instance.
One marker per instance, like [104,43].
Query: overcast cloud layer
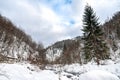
[49,21]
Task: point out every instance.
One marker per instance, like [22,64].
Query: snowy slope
[53,53]
[22,71]
[25,72]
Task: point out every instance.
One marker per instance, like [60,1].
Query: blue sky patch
[68,1]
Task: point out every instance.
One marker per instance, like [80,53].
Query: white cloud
[48,14]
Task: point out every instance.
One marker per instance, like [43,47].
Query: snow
[25,71]
[112,67]
[53,53]
[98,75]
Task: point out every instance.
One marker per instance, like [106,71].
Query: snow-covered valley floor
[25,71]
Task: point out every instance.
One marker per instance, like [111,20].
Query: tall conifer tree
[94,43]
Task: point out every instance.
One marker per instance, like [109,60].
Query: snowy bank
[22,71]
[98,75]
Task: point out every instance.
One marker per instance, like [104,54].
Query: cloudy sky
[48,21]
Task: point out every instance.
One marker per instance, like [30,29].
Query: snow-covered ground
[90,71]
[98,75]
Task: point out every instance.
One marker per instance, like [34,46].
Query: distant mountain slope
[112,27]
[112,34]
[66,51]
[15,43]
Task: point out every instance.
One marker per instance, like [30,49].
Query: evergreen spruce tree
[94,43]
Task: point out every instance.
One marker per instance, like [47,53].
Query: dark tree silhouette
[94,44]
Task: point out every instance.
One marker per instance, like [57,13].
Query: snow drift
[98,75]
